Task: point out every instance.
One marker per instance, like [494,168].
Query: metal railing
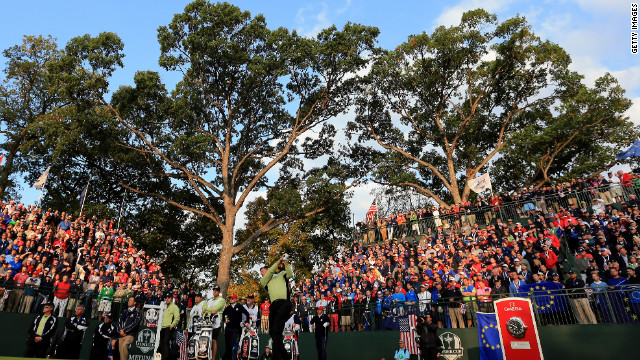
[490,214]
[28,300]
[611,305]
[551,307]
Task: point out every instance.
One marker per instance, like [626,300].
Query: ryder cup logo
[146,340]
[151,316]
[451,346]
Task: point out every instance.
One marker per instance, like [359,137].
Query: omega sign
[512,307]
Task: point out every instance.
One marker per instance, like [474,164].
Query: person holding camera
[275,280]
[428,339]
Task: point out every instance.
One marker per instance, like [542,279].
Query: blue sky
[596,33]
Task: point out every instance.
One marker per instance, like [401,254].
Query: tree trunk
[6,170]
[455,189]
[224,265]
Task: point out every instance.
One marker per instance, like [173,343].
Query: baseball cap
[234,296]
[570,272]
[320,308]
[216,288]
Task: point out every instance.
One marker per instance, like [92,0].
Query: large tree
[248,115]
[48,118]
[440,107]
[576,137]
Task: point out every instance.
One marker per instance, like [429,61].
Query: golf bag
[249,348]
[200,344]
[291,345]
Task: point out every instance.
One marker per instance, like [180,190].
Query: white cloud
[451,15]
[599,6]
[343,9]
[634,111]
[311,21]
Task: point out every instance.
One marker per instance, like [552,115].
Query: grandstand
[452,265]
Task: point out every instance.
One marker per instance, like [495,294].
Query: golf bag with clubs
[249,348]
[200,344]
[291,327]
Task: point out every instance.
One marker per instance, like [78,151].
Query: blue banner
[489,337]
[632,151]
[635,294]
[546,297]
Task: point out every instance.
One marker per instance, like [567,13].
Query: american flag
[181,340]
[373,209]
[408,333]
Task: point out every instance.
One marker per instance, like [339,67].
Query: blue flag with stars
[489,337]
[635,294]
[546,297]
[632,151]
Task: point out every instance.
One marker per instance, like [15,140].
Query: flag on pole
[124,197]
[480,184]
[408,333]
[632,151]
[42,179]
[1,158]
[83,196]
[489,337]
[181,340]
[373,209]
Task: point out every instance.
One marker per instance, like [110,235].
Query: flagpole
[41,191]
[40,198]
[85,197]
[124,197]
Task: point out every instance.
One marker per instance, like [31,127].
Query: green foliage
[309,241]
[248,101]
[186,245]
[576,137]
[441,106]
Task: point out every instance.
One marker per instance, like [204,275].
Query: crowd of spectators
[48,255]
[451,271]
[521,203]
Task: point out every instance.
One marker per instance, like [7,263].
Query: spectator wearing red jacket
[551,258]
[61,295]
[14,296]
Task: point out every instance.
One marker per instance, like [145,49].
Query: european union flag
[635,294]
[488,337]
[634,150]
[546,297]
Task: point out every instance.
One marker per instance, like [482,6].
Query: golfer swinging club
[276,281]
